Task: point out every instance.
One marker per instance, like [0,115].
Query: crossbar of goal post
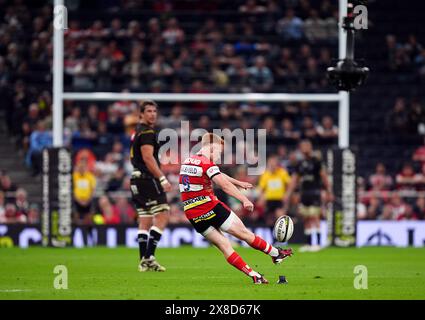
[219,97]
[59,95]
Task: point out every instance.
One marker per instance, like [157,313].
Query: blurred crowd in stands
[14,204]
[229,52]
[406,56]
[406,117]
[225,49]
[400,197]
[406,64]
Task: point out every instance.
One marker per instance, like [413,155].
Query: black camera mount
[348,74]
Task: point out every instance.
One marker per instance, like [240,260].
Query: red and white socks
[262,245]
[236,260]
[259,244]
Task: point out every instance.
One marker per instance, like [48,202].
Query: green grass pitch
[102,273]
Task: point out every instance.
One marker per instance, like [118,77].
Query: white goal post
[59,95]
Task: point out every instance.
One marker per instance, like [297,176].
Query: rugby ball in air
[283,229]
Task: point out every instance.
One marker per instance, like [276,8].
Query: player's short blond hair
[211,138]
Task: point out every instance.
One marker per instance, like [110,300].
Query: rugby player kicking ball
[211,217]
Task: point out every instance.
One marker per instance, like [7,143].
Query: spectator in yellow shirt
[273,184]
[84,185]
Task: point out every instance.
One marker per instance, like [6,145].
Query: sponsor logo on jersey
[192,171]
[194,202]
[190,187]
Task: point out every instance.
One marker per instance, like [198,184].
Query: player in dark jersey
[148,187]
[311,177]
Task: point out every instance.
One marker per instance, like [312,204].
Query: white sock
[274,252]
[254,273]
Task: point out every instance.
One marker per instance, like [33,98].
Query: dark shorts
[215,218]
[148,196]
[311,198]
[273,205]
[81,210]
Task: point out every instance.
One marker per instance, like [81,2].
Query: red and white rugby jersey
[195,185]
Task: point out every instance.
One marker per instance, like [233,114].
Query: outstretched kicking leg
[232,257]
[235,227]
